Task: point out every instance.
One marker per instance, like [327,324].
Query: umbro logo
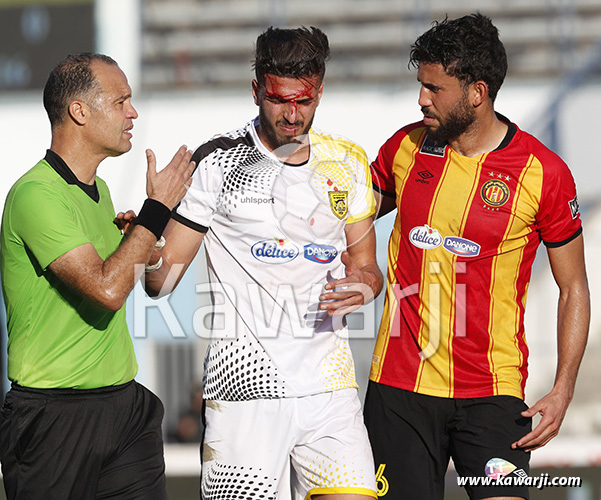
[425,176]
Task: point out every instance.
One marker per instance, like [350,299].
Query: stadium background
[188,62]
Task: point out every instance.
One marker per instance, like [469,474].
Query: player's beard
[454,124]
[277,140]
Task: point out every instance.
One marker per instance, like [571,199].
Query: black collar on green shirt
[62,169]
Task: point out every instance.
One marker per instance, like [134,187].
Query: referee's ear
[79,112]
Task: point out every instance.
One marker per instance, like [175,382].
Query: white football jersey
[275,233]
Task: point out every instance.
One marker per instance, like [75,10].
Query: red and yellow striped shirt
[460,258]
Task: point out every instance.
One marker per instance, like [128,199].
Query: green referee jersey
[57,338]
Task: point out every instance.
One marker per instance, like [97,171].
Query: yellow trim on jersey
[349,490]
[331,163]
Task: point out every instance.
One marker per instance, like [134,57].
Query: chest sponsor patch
[275,251]
[322,254]
[429,147]
[425,237]
[461,246]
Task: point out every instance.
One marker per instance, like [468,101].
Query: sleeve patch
[574,207]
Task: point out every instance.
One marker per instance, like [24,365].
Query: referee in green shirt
[75,424]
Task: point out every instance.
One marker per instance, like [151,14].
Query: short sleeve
[42,219]
[558,218]
[381,168]
[198,206]
[362,203]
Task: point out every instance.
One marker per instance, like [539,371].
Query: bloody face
[286,108]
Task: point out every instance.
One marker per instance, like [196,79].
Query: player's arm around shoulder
[573,318]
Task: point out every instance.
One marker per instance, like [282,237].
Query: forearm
[121,270]
[109,281]
[106,282]
[572,334]
[161,275]
[167,266]
[567,265]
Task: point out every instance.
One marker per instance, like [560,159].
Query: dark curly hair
[468,48]
[293,53]
[71,79]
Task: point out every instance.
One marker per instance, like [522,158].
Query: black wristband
[154,216]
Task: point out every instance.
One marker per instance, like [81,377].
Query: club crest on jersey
[425,237]
[339,203]
[495,193]
[274,251]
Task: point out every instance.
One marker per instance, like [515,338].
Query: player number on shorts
[381,481]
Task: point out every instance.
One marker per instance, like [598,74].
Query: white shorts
[274,448]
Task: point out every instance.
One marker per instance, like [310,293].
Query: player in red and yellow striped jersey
[475,197]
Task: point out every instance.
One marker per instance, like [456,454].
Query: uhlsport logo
[322,254]
[461,246]
[425,237]
[275,251]
[495,193]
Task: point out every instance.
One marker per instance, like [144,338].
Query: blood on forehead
[291,89]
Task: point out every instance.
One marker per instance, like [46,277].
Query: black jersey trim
[557,244]
[222,142]
[381,191]
[296,164]
[511,131]
[187,222]
[62,169]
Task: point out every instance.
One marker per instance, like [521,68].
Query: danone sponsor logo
[276,251]
[461,246]
[425,237]
[322,254]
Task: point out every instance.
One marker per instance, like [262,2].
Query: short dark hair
[72,78]
[468,48]
[293,53]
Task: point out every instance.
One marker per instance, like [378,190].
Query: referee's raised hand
[170,184]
